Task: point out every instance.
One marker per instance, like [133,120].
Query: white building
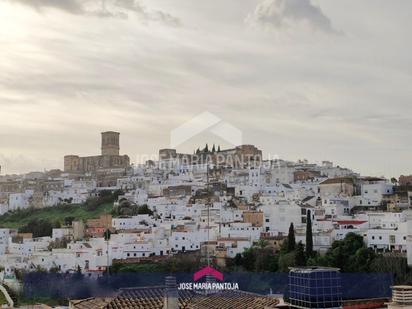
[388,239]
[20,200]
[135,222]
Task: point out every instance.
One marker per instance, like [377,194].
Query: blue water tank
[315,287]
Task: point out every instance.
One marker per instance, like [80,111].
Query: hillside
[53,214]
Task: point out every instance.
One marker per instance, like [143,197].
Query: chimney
[171,300]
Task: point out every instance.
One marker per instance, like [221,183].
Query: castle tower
[110,143]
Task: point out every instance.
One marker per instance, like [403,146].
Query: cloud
[104,9]
[70,6]
[277,14]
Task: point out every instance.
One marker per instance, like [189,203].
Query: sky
[301,79]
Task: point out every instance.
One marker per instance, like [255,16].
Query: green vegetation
[259,258]
[39,227]
[126,208]
[104,197]
[183,262]
[50,301]
[12,295]
[3,300]
[291,238]
[350,255]
[59,213]
[62,214]
[309,236]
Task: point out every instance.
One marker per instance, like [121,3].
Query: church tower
[110,143]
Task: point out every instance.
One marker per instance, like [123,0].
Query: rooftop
[153,298]
[313,269]
[348,180]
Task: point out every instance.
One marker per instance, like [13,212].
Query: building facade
[109,158]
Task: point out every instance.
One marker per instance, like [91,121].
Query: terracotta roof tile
[152,298]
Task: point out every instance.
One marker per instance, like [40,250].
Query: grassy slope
[17,220]
[2,299]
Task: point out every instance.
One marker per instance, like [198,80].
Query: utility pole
[208,214]
[107,235]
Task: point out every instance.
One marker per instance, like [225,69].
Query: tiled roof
[145,298]
[152,298]
[354,222]
[90,303]
[233,300]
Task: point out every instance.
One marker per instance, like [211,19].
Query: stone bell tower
[110,143]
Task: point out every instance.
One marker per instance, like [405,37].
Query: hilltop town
[216,201]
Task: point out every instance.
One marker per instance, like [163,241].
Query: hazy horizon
[317,80]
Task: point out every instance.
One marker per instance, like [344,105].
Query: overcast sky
[320,79]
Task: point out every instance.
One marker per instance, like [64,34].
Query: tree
[69,220]
[92,203]
[238,259]
[39,227]
[58,244]
[218,148]
[124,208]
[207,148]
[213,148]
[78,276]
[264,259]
[144,210]
[249,259]
[396,265]
[287,260]
[309,236]
[107,235]
[300,257]
[57,224]
[361,260]
[291,238]
[260,257]
[348,254]
[394,181]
